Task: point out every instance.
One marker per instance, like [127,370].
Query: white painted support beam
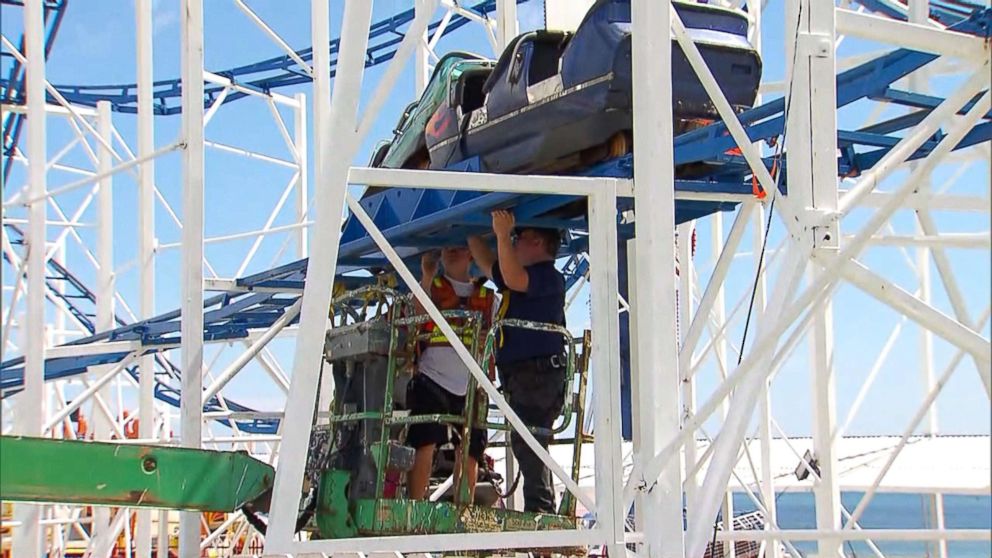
[95,349]
[637,406]
[248,154]
[610,512]
[961,308]
[418,544]
[869,380]
[719,312]
[979,241]
[278,98]
[932,201]
[93,178]
[915,36]
[767,488]
[27,539]
[919,82]
[260,343]
[686,278]
[303,182]
[506,23]
[755,10]
[271,34]
[104,540]
[657,354]
[814,87]
[454,6]
[52,222]
[337,113]
[191,272]
[221,530]
[231,285]
[489,182]
[796,535]
[50,108]
[905,303]
[102,428]
[714,287]
[411,40]
[823,395]
[218,101]
[483,182]
[238,236]
[109,373]
[421,69]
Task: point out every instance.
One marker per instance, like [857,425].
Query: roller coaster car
[408,149]
[557,100]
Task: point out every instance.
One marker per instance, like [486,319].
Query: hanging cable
[777,177]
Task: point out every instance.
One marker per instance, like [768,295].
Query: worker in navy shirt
[531,364]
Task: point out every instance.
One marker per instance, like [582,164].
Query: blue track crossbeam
[12,88]
[80,301]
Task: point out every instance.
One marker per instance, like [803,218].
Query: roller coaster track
[13,84]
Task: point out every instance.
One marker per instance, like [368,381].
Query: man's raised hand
[503,223]
[428,264]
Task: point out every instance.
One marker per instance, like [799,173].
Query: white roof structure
[926,465]
[945,464]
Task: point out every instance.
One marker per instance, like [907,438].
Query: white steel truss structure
[903,242]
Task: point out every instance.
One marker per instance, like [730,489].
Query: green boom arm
[96,473]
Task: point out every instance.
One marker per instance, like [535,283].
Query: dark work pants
[535,390]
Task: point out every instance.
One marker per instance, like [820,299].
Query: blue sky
[96,46]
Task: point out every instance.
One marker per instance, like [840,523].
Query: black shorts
[425,397]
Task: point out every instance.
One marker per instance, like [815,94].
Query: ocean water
[889,511]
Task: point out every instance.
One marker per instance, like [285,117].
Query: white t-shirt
[442,364]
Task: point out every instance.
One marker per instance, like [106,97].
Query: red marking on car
[438,125]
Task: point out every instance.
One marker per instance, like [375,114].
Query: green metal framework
[338,517]
[98,473]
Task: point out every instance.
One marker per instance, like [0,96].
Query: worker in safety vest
[81,427]
[441,379]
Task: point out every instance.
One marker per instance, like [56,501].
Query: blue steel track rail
[415,220]
[13,85]
[946,12]
[263,76]
[74,295]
